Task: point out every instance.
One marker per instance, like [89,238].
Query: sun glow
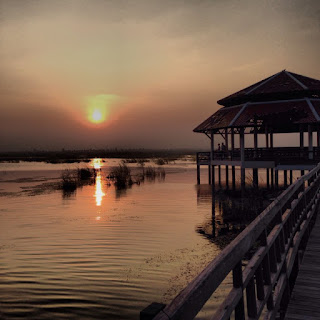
[98,107]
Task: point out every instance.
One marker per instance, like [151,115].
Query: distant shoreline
[72,156]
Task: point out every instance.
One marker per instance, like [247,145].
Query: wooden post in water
[285,178]
[198,170]
[219,175]
[209,173]
[276,179]
[255,177]
[233,168]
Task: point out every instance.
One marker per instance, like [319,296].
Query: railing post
[238,283]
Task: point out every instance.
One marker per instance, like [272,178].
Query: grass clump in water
[121,176]
[69,182]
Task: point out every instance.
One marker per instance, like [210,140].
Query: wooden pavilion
[285,102]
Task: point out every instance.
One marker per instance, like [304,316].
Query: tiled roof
[295,112]
[272,113]
[221,119]
[284,83]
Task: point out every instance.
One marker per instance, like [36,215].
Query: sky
[80,74]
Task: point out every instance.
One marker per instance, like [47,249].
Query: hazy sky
[154,69]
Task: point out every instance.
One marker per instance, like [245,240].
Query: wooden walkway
[305,299]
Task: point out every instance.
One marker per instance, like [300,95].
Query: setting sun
[98,107]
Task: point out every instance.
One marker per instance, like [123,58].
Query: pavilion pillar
[227,157]
[291,177]
[276,179]
[233,169]
[272,177]
[198,174]
[301,141]
[255,139]
[318,142]
[209,173]
[310,140]
[267,148]
[211,158]
[219,175]
[242,146]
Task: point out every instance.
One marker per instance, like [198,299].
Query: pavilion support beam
[268,178]
[267,138]
[276,179]
[209,173]
[310,141]
[291,176]
[272,178]
[198,174]
[219,176]
[271,140]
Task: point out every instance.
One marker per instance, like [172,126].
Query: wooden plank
[305,299]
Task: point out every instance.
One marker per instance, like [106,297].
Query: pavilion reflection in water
[230,212]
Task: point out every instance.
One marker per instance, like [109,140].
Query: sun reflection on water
[99,194]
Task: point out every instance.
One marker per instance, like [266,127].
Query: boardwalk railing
[279,155]
[277,235]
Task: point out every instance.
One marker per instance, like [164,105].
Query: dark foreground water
[101,253]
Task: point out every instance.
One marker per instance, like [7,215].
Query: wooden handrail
[278,232]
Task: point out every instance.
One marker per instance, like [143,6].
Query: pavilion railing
[279,155]
[277,235]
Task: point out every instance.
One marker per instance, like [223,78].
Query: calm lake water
[101,253]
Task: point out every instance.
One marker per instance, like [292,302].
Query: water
[99,253]
[103,253]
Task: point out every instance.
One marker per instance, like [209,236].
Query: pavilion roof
[280,86]
[280,115]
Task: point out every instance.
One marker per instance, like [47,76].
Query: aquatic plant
[121,175]
[68,181]
[86,173]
